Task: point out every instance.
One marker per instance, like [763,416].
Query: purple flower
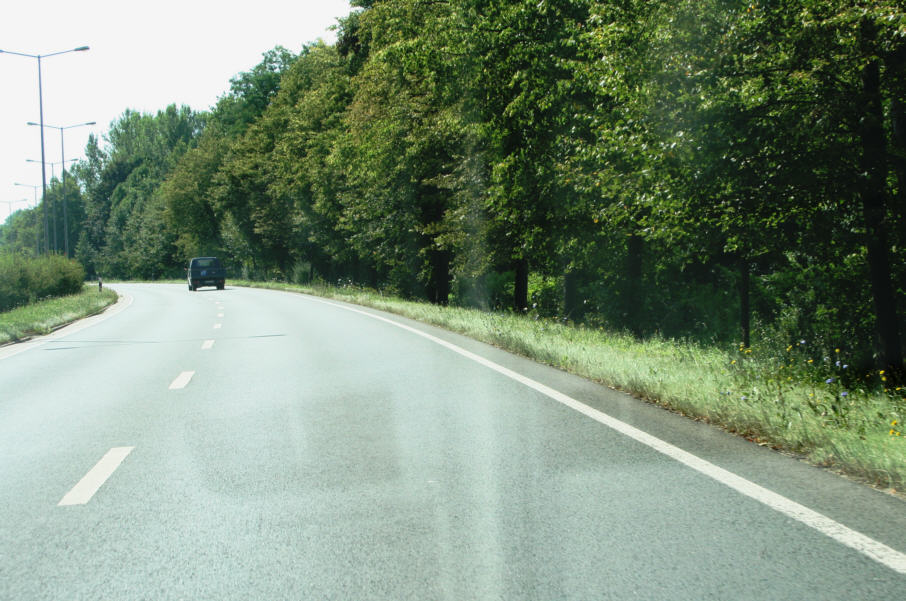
[844,393]
[829,381]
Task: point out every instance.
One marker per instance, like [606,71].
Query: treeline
[702,168]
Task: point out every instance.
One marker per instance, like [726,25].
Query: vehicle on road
[205,271]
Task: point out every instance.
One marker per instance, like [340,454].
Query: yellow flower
[836,350]
[789,348]
[733,362]
[881,373]
[811,360]
[894,423]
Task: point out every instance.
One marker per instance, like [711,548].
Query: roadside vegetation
[25,279]
[44,316]
[801,398]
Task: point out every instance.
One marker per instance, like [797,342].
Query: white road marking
[875,550]
[220,315]
[181,380]
[207,344]
[82,492]
[217,326]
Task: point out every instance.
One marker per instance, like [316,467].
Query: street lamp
[53,205]
[41,112]
[37,236]
[63,160]
[9,205]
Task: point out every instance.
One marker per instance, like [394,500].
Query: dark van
[205,271]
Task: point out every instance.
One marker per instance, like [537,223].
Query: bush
[25,280]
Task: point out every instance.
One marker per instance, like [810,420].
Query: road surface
[253,444]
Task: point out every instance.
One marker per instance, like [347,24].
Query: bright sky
[143,56]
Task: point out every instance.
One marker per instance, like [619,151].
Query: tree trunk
[874,211]
[632,304]
[895,67]
[745,308]
[573,307]
[439,280]
[520,287]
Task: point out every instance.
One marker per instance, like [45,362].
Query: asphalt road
[251,444]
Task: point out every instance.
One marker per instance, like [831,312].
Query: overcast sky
[143,56]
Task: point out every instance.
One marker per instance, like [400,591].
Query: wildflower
[748,351]
[836,350]
[881,373]
[844,394]
[829,381]
[845,366]
[789,348]
[733,362]
[802,342]
[743,398]
[894,423]
[837,364]
[811,361]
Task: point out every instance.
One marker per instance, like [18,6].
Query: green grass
[44,316]
[781,398]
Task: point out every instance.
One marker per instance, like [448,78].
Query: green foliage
[26,280]
[702,169]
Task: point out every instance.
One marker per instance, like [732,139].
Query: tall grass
[785,398]
[44,316]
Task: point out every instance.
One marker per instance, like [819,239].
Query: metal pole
[43,169]
[63,195]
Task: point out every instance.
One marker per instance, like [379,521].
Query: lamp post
[9,205]
[37,235]
[53,205]
[63,161]
[41,113]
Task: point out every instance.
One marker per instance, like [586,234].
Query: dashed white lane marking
[865,545]
[82,492]
[217,326]
[207,344]
[181,380]
[220,315]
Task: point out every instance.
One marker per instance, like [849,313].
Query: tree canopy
[715,169]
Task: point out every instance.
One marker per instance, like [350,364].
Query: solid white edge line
[82,492]
[868,546]
[182,380]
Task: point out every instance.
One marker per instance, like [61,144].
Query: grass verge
[787,400]
[44,316]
